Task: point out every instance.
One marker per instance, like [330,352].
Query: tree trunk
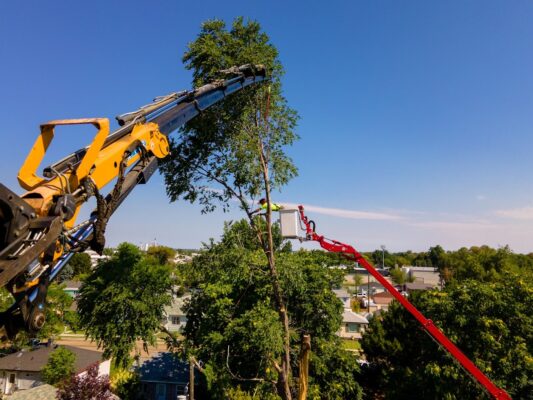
[304,367]
[268,248]
[191,380]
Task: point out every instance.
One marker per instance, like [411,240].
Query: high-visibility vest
[273,206]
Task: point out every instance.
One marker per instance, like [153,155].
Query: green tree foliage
[80,263]
[123,301]
[163,254]
[60,366]
[235,331]
[57,305]
[399,276]
[221,147]
[490,322]
[239,144]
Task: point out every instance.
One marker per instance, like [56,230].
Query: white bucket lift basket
[290,223]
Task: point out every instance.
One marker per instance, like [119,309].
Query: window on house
[175,319]
[352,327]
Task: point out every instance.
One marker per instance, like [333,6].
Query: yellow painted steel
[99,164]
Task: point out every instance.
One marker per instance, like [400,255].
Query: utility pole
[191,379]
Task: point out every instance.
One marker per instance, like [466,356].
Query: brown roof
[384,295]
[35,360]
[383,298]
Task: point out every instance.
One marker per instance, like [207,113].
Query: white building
[95,257]
[176,319]
[427,275]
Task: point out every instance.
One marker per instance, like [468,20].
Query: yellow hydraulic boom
[38,231]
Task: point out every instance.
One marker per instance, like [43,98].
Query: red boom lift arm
[352,254]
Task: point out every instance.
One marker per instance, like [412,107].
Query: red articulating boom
[350,253]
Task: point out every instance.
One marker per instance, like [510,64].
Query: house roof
[35,360]
[383,298]
[177,305]
[383,295]
[421,269]
[42,392]
[165,367]
[341,293]
[72,284]
[350,316]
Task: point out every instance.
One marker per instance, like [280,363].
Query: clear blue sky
[416,116]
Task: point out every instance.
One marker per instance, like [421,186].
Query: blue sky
[416,117]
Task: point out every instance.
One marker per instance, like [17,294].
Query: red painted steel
[350,253]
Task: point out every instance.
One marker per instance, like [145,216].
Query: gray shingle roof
[165,367]
[35,360]
[43,392]
[350,316]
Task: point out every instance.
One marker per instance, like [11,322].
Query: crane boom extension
[38,234]
[351,253]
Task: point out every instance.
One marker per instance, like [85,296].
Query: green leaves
[235,328]
[60,366]
[123,300]
[490,322]
[218,155]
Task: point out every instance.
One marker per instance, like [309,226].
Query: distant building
[22,370]
[343,296]
[72,288]
[176,319]
[96,258]
[353,325]
[428,275]
[412,286]
[382,300]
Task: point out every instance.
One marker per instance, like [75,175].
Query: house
[382,300]
[22,370]
[176,319]
[164,377]
[353,325]
[343,296]
[72,288]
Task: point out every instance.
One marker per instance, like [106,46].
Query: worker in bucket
[263,206]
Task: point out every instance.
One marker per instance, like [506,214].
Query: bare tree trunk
[304,367]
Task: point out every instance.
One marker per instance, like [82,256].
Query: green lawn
[349,344]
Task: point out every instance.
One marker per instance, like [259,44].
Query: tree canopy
[220,147]
[234,330]
[123,301]
[490,322]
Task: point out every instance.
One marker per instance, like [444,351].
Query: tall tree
[235,331]
[123,301]
[238,145]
